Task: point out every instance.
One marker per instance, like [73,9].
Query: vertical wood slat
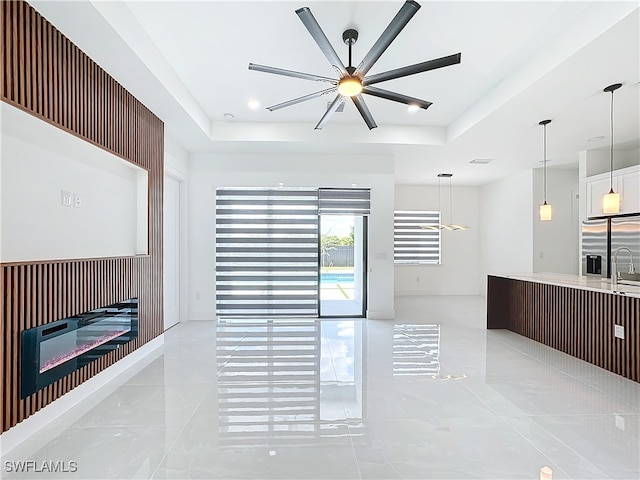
[39,62]
[21,70]
[14,52]
[49,77]
[577,322]
[27,57]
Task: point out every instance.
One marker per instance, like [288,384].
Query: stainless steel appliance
[595,256]
[625,248]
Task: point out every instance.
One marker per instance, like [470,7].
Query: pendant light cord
[450,204]
[545,162]
[439,203]
[611,152]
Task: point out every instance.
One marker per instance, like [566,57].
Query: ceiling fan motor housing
[350,36]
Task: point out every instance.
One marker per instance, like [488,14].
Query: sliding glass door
[342,265]
[291,252]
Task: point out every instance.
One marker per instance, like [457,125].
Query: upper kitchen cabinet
[629,185]
[626,182]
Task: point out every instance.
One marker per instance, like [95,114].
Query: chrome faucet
[616,273]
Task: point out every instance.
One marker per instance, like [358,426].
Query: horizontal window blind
[344,201]
[413,244]
[266,252]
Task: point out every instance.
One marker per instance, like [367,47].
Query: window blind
[266,252]
[344,201]
[412,244]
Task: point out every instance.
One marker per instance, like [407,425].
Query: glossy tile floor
[431,394]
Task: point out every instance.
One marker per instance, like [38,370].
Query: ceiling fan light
[611,202]
[545,212]
[350,86]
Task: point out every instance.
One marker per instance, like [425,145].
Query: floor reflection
[432,395]
[284,381]
[416,349]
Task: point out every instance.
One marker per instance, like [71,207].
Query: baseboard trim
[381,314]
[202,316]
[429,293]
[36,422]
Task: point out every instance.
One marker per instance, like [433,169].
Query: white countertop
[595,284]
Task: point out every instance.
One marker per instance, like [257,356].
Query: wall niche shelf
[64,198]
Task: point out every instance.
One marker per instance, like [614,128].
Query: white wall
[506,234]
[176,164]
[176,158]
[38,162]
[458,273]
[208,171]
[556,242]
[599,161]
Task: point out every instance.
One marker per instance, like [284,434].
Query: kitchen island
[574,314]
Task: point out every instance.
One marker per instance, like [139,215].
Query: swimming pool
[336,277]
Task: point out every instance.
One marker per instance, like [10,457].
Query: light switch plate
[77,200]
[620,422]
[65,198]
[619,331]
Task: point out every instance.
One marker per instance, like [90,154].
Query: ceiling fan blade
[295,101]
[291,73]
[330,111]
[364,111]
[413,69]
[401,19]
[396,97]
[320,38]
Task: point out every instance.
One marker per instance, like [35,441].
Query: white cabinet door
[596,189]
[629,185]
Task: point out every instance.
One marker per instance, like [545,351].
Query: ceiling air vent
[481,161]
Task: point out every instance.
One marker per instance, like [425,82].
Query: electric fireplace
[54,350]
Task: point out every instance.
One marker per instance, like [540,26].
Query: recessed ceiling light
[596,139]
[253,104]
[229,116]
[481,161]
[413,108]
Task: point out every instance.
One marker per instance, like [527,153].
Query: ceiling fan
[353,81]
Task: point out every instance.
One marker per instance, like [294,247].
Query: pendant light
[450,225]
[611,201]
[545,208]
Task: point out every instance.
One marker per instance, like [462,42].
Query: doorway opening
[172,209]
[342,265]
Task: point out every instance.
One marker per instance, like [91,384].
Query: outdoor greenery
[328,240]
[329,248]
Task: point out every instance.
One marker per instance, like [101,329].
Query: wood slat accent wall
[575,321]
[46,75]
